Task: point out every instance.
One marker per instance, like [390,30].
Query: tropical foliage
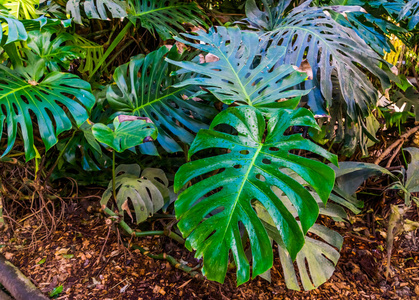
[242,116]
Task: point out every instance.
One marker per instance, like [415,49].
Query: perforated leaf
[144,88]
[330,48]
[243,74]
[147,194]
[247,172]
[23,92]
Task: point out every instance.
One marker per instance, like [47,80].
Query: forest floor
[90,264]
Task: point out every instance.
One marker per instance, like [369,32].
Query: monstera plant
[26,91]
[218,213]
[154,94]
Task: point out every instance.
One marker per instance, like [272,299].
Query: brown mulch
[71,259]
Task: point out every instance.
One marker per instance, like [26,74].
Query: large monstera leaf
[331,49]
[26,99]
[247,173]
[144,88]
[147,193]
[243,74]
[165,16]
[95,9]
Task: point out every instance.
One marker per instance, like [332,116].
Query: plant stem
[115,43]
[113,176]
[172,261]
[131,232]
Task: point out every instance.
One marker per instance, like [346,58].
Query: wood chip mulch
[71,259]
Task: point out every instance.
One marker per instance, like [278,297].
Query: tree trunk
[18,285]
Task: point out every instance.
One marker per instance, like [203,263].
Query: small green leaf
[125,135]
[56,291]
[42,261]
[68,256]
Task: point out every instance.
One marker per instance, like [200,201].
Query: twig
[402,139]
[394,155]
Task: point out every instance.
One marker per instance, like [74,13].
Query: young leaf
[125,135]
[244,73]
[246,173]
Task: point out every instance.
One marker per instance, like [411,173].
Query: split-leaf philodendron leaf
[144,88]
[243,74]
[25,98]
[245,173]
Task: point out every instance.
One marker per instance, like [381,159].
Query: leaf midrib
[251,165]
[249,102]
[158,99]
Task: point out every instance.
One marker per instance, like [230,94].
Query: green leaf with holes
[147,191]
[244,73]
[143,87]
[248,173]
[124,135]
[27,96]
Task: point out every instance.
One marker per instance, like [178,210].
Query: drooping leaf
[246,173]
[349,177]
[317,259]
[23,92]
[408,100]
[124,135]
[331,49]
[165,16]
[243,74]
[412,173]
[147,193]
[267,19]
[95,9]
[85,147]
[144,88]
